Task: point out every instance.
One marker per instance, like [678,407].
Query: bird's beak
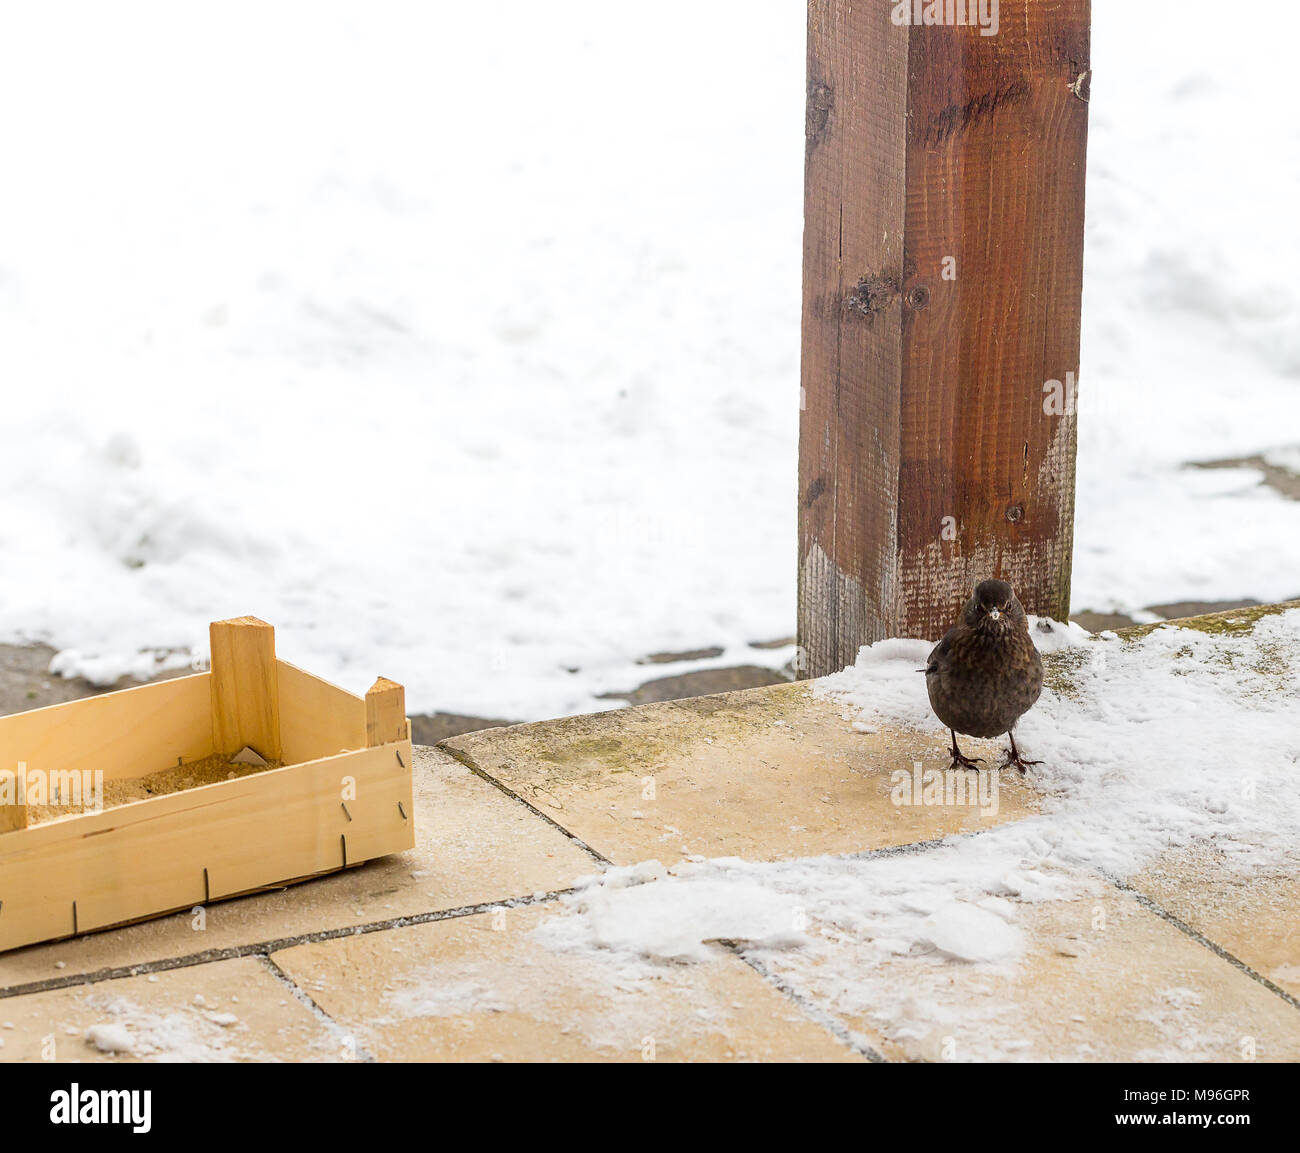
[995,614]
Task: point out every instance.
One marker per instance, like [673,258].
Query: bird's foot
[1014,758]
[961,761]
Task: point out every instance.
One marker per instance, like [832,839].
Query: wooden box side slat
[317,719]
[149,857]
[125,734]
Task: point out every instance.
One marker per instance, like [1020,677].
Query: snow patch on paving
[192,1034]
[111,1038]
[650,920]
[970,933]
[436,996]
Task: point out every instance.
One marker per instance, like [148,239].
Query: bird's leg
[959,760]
[1014,757]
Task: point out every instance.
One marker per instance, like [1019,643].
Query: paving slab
[767,774]
[474,844]
[482,988]
[1253,914]
[235,1010]
[1102,978]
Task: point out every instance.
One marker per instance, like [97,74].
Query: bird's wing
[939,653]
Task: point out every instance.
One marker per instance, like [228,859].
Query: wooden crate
[343,795]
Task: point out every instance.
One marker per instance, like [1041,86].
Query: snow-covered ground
[461,342]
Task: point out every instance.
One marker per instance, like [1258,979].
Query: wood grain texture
[245,687]
[385,713]
[173,852]
[925,395]
[13,809]
[130,733]
[317,719]
[855,154]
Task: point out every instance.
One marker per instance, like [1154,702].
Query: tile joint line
[818,1016]
[468,761]
[299,994]
[265,948]
[1201,939]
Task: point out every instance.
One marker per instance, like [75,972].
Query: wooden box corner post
[386,713]
[245,688]
[943,270]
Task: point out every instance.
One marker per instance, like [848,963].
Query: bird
[985,674]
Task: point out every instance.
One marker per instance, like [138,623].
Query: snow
[439,997]
[110,1038]
[1191,342]
[970,933]
[192,1033]
[462,342]
[638,917]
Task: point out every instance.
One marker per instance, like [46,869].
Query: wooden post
[385,713]
[245,688]
[943,267]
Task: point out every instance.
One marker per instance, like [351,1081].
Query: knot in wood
[871,295]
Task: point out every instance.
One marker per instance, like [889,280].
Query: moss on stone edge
[1059,667]
[1234,622]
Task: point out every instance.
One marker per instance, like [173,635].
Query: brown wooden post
[245,687]
[943,269]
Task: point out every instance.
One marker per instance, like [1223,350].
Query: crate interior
[159,739]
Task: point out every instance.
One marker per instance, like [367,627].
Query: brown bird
[985,674]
